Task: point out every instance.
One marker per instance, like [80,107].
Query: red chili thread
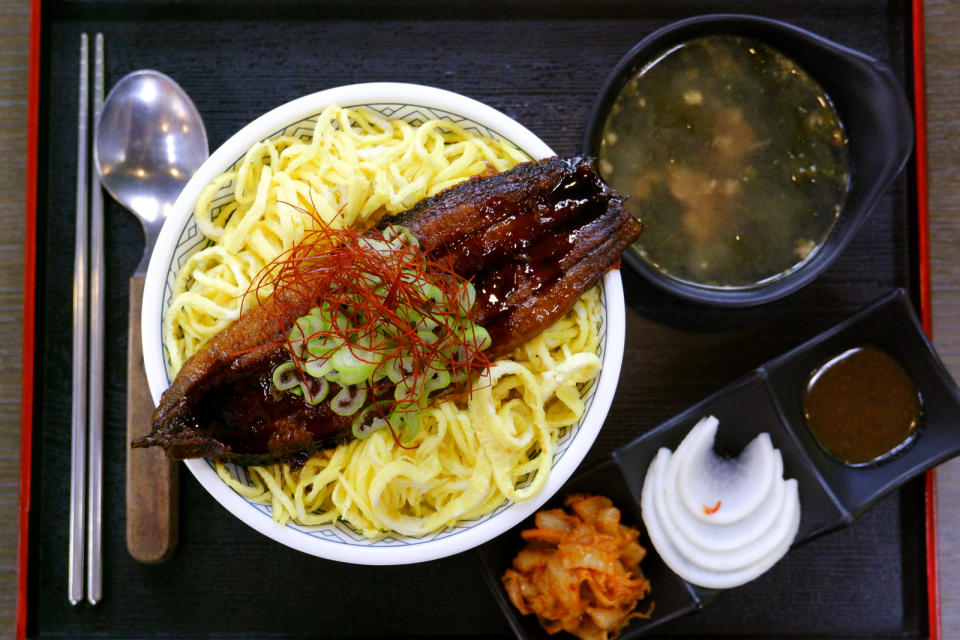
[711,510]
[333,266]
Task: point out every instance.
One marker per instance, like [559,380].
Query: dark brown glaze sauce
[862,406]
[532,239]
[524,252]
[247,420]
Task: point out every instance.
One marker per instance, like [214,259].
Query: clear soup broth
[735,160]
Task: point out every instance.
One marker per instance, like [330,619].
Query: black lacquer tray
[542,64]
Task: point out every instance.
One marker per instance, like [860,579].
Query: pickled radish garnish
[719,522]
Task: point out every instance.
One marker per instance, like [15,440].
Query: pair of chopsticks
[86,479]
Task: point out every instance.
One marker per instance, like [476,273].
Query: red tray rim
[926,315]
[29,307]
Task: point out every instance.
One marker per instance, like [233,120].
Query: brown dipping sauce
[862,406]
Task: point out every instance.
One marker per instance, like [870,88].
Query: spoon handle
[151,476]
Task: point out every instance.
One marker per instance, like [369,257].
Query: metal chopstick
[79,415]
[95,398]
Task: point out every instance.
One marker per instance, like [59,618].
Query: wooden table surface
[943,130]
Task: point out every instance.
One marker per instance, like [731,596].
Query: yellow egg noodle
[470,454]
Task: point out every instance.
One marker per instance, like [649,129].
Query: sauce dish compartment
[672,598]
[892,325]
[745,409]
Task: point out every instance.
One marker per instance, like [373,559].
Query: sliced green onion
[382,247]
[320,312]
[399,368]
[411,424]
[409,315]
[379,289]
[285,376]
[303,328]
[324,346]
[354,364]
[479,335]
[399,237]
[409,390]
[348,400]
[426,323]
[432,292]
[466,297]
[315,390]
[459,375]
[401,392]
[367,422]
[437,380]
[428,337]
[380,372]
[326,318]
[295,339]
[322,349]
[406,419]
[318,367]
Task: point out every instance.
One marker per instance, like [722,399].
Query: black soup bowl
[871,106]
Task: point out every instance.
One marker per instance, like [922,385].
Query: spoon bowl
[149,141]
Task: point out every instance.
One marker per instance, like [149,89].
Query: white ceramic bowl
[179,239]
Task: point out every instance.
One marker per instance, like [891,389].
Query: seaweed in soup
[735,158]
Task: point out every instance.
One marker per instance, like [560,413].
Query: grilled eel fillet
[532,239]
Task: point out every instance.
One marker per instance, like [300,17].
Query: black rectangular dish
[541,64]
[832,494]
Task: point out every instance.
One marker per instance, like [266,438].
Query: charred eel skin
[532,239]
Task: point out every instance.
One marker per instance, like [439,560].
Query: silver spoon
[150,140]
